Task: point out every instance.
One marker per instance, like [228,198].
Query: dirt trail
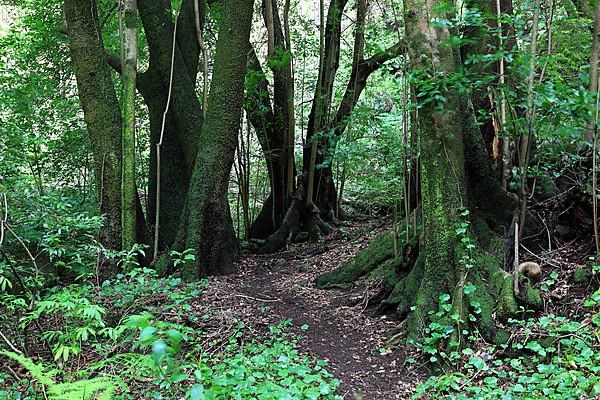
[276,287]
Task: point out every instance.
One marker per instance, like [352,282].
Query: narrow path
[273,288]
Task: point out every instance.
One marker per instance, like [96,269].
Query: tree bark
[128,187]
[452,249]
[591,127]
[262,117]
[207,224]
[270,124]
[101,111]
[184,119]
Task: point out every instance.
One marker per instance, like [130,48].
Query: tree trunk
[453,265]
[128,187]
[442,174]
[273,122]
[591,126]
[207,225]
[101,111]
[184,118]
[324,125]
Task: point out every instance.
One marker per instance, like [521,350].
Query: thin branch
[9,343]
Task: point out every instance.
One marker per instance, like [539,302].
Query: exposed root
[293,227]
[481,296]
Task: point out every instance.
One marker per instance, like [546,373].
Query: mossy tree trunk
[101,111]
[457,257]
[207,226]
[443,189]
[184,119]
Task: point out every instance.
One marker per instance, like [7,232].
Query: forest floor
[334,325]
[337,326]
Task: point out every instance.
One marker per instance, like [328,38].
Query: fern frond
[102,388]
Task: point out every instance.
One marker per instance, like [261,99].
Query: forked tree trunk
[207,226]
[184,119]
[273,222]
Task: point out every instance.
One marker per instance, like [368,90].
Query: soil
[341,330]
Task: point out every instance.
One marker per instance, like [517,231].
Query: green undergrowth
[547,357]
[141,336]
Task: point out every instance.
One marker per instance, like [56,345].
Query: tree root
[482,296]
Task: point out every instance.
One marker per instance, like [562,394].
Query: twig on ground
[257,299]
[9,343]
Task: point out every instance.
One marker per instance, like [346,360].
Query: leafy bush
[123,323]
[554,358]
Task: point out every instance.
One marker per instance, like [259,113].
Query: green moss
[405,291]
[507,304]
[502,337]
[531,296]
[380,249]
[582,275]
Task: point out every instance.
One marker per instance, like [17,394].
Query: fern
[101,388]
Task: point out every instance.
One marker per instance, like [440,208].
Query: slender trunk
[291,113]
[199,23]
[501,81]
[591,127]
[157,211]
[128,187]
[528,132]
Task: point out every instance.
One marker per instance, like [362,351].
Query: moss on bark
[380,249]
[207,224]
[451,262]
[101,111]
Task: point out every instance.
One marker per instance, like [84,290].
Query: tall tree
[281,216]
[128,187]
[591,127]
[184,117]
[207,226]
[455,261]
[101,110]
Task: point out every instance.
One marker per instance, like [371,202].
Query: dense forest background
[279,199]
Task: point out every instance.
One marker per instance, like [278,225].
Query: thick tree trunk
[207,224]
[184,119]
[442,174]
[101,111]
[454,249]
